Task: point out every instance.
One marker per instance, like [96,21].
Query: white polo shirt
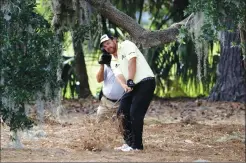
[126,51]
[111,87]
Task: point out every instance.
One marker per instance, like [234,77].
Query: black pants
[134,106]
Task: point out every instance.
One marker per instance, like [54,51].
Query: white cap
[104,38]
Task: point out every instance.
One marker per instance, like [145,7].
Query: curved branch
[145,37]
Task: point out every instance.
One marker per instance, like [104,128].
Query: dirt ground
[180,130]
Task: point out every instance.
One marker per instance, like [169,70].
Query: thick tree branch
[145,37]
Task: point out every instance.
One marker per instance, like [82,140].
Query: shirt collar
[119,46]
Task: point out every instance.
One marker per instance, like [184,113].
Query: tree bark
[139,34]
[80,66]
[242,29]
[230,84]
[142,36]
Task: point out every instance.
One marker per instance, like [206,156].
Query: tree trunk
[142,36]
[230,84]
[80,66]
[242,29]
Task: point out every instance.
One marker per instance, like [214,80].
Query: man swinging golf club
[137,79]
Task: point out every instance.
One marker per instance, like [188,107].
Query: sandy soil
[183,130]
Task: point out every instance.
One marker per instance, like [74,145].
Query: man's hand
[123,83]
[130,83]
[126,88]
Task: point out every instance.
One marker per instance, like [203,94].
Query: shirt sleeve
[130,50]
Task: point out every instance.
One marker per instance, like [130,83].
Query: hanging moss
[29,59]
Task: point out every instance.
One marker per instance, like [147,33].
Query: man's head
[108,43]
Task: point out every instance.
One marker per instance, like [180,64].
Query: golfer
[137,79]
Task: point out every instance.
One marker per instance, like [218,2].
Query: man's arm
[132,68]
[100,74]
[121,79]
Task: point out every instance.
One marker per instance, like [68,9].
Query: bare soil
[180,130]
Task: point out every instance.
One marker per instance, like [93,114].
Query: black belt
[148,78]
[109,99]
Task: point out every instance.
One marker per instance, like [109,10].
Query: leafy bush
[29,60]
